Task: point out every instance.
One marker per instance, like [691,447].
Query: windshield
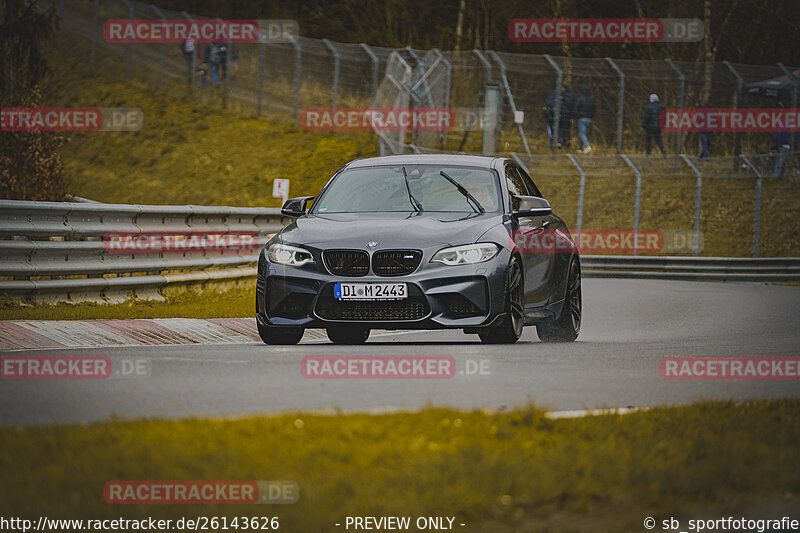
[410,188]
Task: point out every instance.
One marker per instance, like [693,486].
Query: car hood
[389,230]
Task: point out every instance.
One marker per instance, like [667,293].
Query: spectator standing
[212,57]
[651,122]
[187,49]
[567,114]
[584,111]
[550,113]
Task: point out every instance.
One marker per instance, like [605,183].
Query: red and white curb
[45,334]
[31,335]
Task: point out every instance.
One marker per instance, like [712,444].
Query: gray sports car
[421,242]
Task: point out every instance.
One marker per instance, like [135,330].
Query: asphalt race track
[628,326]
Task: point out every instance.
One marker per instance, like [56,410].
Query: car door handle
[545,224]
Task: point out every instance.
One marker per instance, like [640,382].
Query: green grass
[191,153]
[193,303]
[512,471]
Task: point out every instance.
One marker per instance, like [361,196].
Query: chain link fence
[702,197]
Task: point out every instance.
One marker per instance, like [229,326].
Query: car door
[530,235]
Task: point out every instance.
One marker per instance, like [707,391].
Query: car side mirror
[528,206]
[296,207]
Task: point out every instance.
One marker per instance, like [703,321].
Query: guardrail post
[507,87]
[129,52]
[581,189]
[297,65]
[162,56]
[95,14]
[681,98]
[192,77]
[557,111]
[620,103]
[757,205]
[697,200]
[737,143]
[376,65]
[637,201]
[336,61]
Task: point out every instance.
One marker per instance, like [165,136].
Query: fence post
[336,62]
[581,189]
[162,56]
[737,143]
[620,102]
[449,67]
[95,14]
[637,201]
[757,206]
[507,87]
[681,98]
[297,65]
[129,52]
[486,64]
[376,65]
[697,200]
[262,61]
[192,77]
[795,88]
[557,112]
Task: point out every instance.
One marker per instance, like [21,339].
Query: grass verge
[512,471]
[194,303]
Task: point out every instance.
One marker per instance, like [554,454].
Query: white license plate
[370,291]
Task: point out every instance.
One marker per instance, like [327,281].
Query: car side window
[531,186]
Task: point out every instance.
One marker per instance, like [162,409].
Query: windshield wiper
[417,206]
[465,192]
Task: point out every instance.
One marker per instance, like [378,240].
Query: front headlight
[466,254]
[283,254]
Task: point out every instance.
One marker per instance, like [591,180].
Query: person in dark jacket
[651,122]
[212,58]
[584,112]
[188,50]
[549,112]
[567,114]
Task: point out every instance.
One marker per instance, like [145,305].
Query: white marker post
[280,189]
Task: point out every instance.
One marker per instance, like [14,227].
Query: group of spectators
[214,60]
[582,110]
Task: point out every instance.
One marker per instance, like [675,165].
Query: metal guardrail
[56,249]
[778,269]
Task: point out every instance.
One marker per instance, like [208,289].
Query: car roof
[426,159]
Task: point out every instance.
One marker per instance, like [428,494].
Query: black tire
[280,335]
[348,334]
[566,327]
[510,329]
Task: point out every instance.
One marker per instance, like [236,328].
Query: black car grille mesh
[395,262]
[413,308]
[346,262]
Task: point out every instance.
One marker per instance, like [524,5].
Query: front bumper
[439,296]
